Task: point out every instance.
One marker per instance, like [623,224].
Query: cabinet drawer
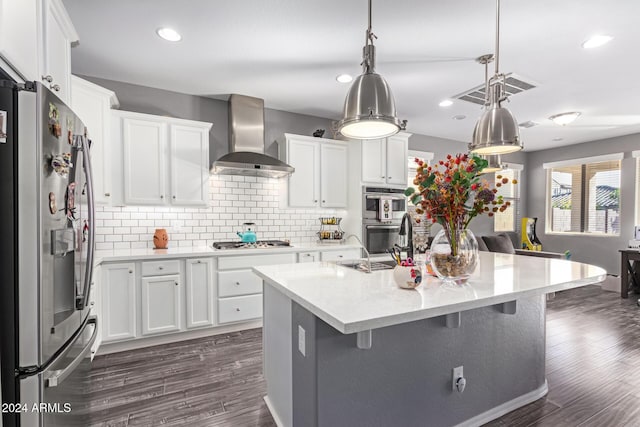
[248,261]
[308,256]
[160,268]
[341,255]
[238,282]
[237,309]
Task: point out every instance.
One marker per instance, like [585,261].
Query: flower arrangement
[451,193]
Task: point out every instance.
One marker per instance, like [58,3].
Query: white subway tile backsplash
[232,201]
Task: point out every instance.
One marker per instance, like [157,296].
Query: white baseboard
[133,344]
[274,414]
[506,407]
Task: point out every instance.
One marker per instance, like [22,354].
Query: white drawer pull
[237,309]
[237,283]
[161,268]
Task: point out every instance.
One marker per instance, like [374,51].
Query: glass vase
[454,255]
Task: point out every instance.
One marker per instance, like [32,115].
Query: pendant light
[494,160]
[369,109]
[497,130]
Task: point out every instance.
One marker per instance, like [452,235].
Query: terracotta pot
[160,238]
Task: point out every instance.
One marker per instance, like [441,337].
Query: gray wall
[149,100]
[598,250]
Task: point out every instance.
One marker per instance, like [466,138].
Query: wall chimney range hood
[246,142]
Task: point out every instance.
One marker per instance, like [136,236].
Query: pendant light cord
[370,36]
[497,35]
[368,53]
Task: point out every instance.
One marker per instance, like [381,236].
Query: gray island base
[321,371]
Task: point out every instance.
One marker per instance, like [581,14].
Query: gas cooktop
[260,244]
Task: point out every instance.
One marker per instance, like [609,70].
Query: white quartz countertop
[352,301]
[124,255]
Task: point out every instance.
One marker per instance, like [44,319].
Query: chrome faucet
[407,230]
[363,248]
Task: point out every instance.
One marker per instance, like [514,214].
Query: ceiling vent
[528,124]
[514,85]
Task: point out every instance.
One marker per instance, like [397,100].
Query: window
[509,220]
[583,196]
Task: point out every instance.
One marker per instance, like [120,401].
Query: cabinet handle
[340,256]
[107,194]
[162,197]
[55,87]
[237,283]
[47,78]
[161,268]
[199,262]
[382,177]
[130,271]
[389,177]
[315,201]
[323,201]
[177,284]
[174,197]
[237,309]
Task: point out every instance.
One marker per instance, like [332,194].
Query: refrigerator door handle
[58,376]
[83,300]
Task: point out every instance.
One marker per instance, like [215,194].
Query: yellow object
[528,238]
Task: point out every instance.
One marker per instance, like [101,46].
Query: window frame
[583,162]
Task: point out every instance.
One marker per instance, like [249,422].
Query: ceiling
[290,51]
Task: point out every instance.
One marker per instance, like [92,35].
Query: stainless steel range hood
[246,142]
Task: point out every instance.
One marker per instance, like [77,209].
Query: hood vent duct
[246,142]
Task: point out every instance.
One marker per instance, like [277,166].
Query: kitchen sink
[361,265]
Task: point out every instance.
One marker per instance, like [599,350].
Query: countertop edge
[364,325]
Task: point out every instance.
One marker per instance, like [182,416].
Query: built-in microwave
[385,205]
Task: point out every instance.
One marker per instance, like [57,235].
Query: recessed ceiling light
[169,34]
[528,124]
[557,139]
[596,41]
[563,119]
[344,78]
[459,117]
[446,103]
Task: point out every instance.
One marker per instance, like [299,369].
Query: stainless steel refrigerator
[46,259]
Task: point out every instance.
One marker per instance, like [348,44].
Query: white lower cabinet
[118,295]
[237,309]
[341,254]
[199,292]
[160,304]
[238,282]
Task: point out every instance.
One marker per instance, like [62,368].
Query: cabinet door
[373,161]
[118,295]
[304,183]
[160,304]
[199,293]
[397,160]
[59,34]
[189,147]
[93,107]
[144,143]
[333,176]
[19,36]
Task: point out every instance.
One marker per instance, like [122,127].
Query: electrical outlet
[302,341]
[457,373]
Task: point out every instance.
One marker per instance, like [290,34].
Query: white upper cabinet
[397,165]
[19,32]
[320,173]
[59,33]
[93,105]
[165,160]
[373,161]
[333,175]
[304,185]
[144,143]
[189,164]
[384,161]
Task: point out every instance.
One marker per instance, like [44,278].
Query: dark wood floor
[593,370]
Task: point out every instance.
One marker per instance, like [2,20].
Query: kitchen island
[346,348]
